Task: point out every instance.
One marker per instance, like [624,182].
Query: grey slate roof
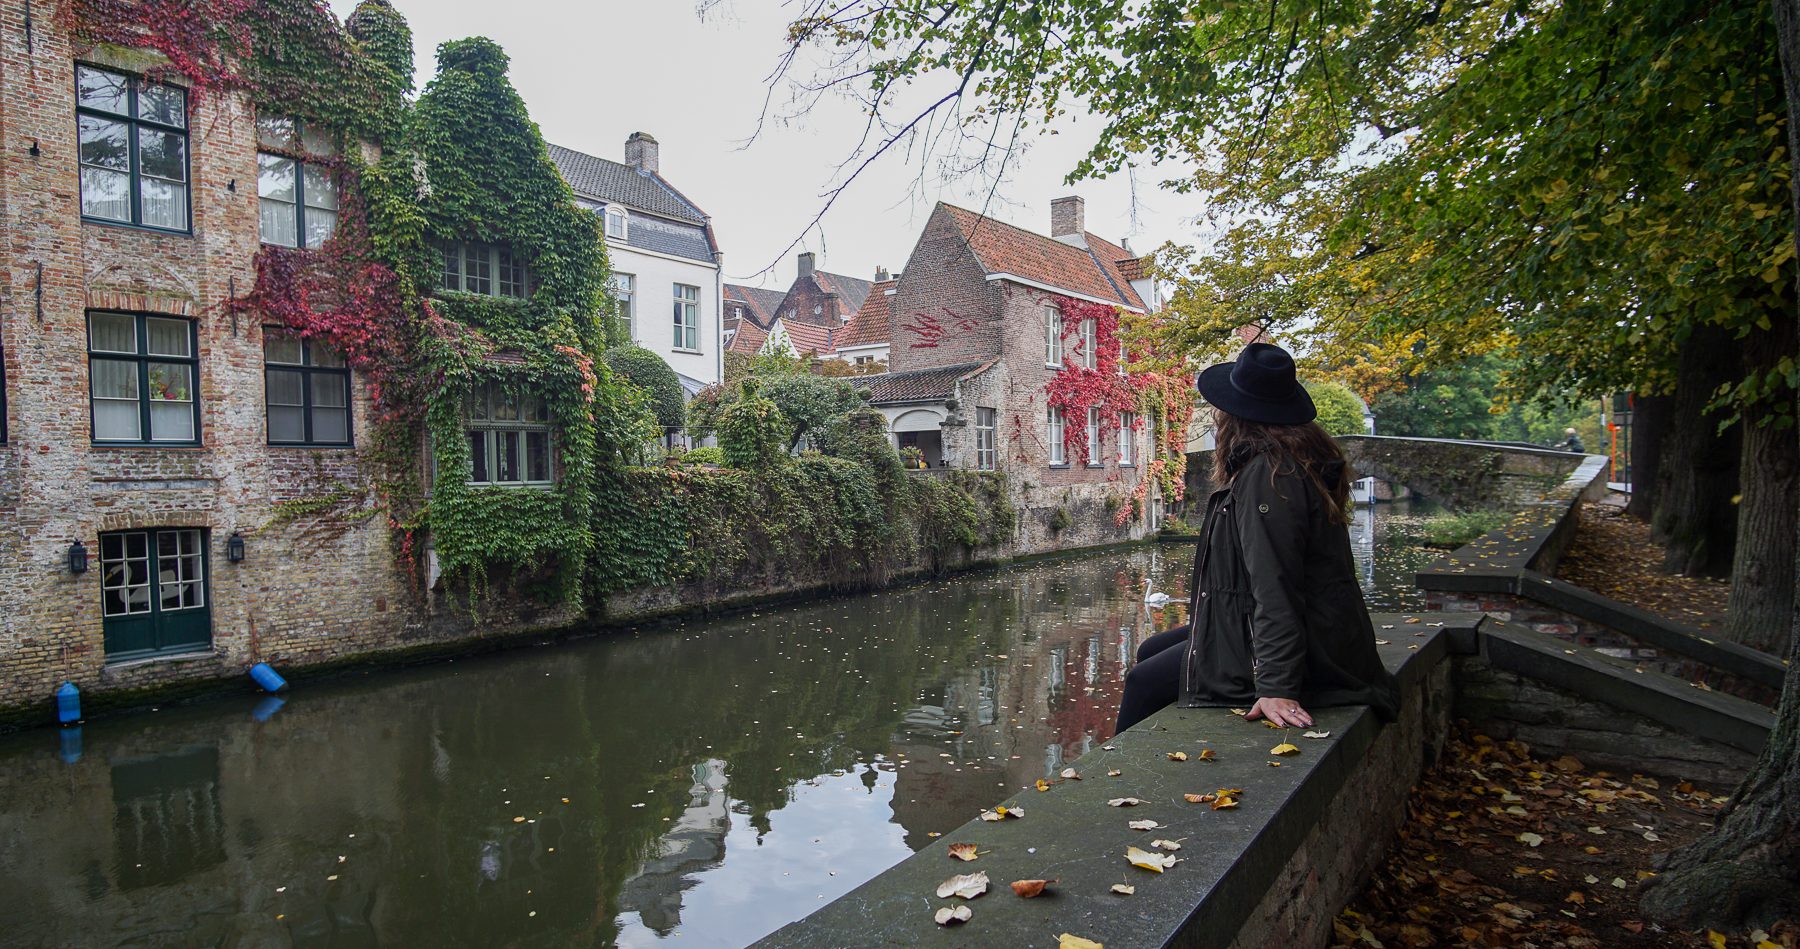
[852,290]
[668,237]
[760,305]
[615,182]
[917,385]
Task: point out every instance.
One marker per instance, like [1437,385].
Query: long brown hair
[1304,449]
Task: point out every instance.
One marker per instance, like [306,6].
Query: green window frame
[488,269]
[154,592]
[687,317]
[132,150]
[296,183]
[511,439]
[143,379]
[306,391]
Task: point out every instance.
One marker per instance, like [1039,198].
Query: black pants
[1156,679]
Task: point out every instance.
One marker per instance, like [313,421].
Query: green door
[153,592]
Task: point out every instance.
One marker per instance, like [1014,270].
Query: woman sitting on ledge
[1277,620]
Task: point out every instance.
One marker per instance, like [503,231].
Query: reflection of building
[696,842]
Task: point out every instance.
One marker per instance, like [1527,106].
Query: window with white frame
[509,436]
[488,269]
[296,189]
[1121,356]
[687,317]
[624,293]
[1094,456]
[1058,428]
[1053,336]
[1127,436]
[618,223]
[1090,350]
[986,423]
[133,149]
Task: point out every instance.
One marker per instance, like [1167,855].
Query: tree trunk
[1762,587]
[1747,871]
[1649,423]
[1694,517]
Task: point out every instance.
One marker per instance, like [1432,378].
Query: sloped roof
[809,338]
[1091,271]
[600,179]
[748,339]
[869,327]
[917,385]
[760,305]
[1135,268]
[852,290]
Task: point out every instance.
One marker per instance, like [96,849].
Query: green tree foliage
[1457,401]
[649,372]
[1340,411]
[817,408]
[752,431]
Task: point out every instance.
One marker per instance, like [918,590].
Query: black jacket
[1277,612]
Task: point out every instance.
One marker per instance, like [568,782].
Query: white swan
[1154,599]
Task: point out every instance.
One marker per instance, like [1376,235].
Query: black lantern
[234,548]
[78,557]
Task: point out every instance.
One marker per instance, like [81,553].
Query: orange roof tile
[809,338]
[749,338]
[1002,248]
[869,327]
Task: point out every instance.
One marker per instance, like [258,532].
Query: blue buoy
[71,745]
[269,679]
[267,708]
[68,703]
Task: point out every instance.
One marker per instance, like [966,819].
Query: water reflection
[706,782]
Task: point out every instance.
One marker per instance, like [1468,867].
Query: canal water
[697,784]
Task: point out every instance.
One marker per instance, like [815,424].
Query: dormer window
[488,269]
[618,223]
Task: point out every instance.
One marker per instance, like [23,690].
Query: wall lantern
[234,548]
[78,557]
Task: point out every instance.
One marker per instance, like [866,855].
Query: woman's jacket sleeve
[1271,520]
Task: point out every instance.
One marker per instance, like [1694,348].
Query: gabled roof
[852,290]
[809,338]
[917,385]
[1136,268]
[869,327]
[760,305]
[749,339]
[1091,271]
[599,179]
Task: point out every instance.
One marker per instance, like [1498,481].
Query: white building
[666,264]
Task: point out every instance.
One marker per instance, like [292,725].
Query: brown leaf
[963,851]
[1224,803]
[1207,754]
[1197,798]
[1030,888]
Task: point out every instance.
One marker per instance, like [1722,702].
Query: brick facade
[300,594]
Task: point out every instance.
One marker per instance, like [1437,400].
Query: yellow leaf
[1285,748]
[1177,756]
[1155,862]
[963,852]
[1207,754]
[1715,940]
[1224,803]
[1067,941]
[1043,785]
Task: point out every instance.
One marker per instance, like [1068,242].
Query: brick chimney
[1068,220]
[805,264]
[641,153]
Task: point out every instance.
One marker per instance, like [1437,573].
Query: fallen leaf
[1043,785]
[966,885]
[1157,862]
[1197,798]
[1123,889]
[1068,941]
[1715,940]
[1177,756]
[1240,711]
[1166,844]
[1383,642]
[963,851]
[1114,773]
[1224,803]
[1207,754]
[1414,619]
[1002,812]
[1285,748]
[934,833]
[1316,735]
[951,915]
[1143,825]
[1124,802]
[1530,839]
[1274,764]
[1619,882]
[1030,888]
[1069,774]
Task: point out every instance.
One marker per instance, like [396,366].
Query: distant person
[1571,442]
[1278,619]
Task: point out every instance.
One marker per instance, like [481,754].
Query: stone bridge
[1461,475]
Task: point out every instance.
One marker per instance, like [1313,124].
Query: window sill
[1126,464]
[511,485]
[1059,466]
[182,446]
[683,349]
[127,225]
[1091,466]
[320,445]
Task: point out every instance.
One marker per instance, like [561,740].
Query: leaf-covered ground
[1504,849]
[1614,556]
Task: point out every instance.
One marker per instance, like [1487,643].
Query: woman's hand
[1284,712]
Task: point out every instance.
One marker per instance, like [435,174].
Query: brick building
[809,319]
[977,334]
[150,430]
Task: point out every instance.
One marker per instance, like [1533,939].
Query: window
[141,375]
[1127,435]
[624,293]
[308,391]
[153,592]
[1053,342]
[985,423]
[618,223]
[134,150]
[1121,357]
[487,269]
[1057,429]
[687,317]
[1093,436]
[1090,350]
[295,187]
[509,438]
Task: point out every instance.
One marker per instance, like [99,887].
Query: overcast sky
[594,72]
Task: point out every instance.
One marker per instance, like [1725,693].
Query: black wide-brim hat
[1259,386]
